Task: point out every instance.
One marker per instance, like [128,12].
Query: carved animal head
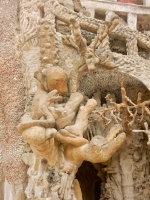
[104,148]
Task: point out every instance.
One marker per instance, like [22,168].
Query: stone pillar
[132,21]
[146,2]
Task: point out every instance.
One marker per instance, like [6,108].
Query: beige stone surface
[8,193]
[70,92]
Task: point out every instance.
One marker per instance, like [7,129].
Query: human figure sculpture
[48,116]
[76,148]
[54,129]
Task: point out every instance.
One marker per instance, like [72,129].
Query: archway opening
[90,183]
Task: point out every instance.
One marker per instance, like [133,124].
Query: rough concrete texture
[11,96]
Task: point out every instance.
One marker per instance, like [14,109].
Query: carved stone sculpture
[45,135]
[67,98]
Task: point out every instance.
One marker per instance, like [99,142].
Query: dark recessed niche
[90,183]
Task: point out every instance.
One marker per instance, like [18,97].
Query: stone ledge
[98,6]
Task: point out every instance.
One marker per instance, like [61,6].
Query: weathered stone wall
[58,58]
[12,97]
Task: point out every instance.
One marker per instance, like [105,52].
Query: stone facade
[74,100]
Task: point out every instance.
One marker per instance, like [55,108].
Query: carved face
[57,79]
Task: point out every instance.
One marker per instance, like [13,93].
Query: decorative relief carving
[61,126]
[56,134]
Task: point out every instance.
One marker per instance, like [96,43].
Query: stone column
[146,2]
[132,21]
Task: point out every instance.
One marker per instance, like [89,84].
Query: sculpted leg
[74,101]
[67,138]
[64,116]
[81,123]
